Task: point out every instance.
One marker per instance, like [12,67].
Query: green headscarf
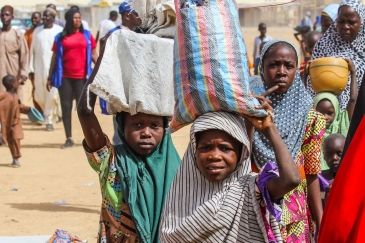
[146,181]
[341,122]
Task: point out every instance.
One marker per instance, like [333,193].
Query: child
[257,61]
[11,125]
[337,121]
[215,197]
[310,40]
[259,39]
[333,148]
[134,176]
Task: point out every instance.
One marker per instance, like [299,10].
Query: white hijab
[197,210]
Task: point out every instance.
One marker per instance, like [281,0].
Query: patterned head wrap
[332,45]
[291,112]
[197,210]
[331,11]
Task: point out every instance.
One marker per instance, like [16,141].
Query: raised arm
[289,177]
[93,133]
[353,89]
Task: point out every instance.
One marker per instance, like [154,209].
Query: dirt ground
[49,175]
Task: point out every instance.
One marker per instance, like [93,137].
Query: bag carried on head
[210,64]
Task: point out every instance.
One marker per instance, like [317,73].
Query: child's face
[262,30]
[333,152]
[280,67]
[143,132]
[217,154]
[15,85]
[311,42]
[326,108]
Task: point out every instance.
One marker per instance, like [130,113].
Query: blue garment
[58,71]
[125,7]
[306,21]
[114,29]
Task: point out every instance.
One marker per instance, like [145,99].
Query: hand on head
[263,123]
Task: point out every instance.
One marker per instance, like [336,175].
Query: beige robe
[14,57]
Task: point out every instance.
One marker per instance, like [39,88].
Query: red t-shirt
[74,55]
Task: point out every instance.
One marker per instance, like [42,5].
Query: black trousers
[70,89]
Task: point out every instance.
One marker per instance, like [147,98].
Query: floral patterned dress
[296,215]
[116,224]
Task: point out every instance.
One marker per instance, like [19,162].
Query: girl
[301,128]
[215,197]
[337,121]
[345,39]
[73,52]
[135,176]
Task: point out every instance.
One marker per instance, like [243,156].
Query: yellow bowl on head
[329,74]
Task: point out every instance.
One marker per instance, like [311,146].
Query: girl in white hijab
[215,197]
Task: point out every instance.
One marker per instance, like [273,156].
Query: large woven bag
[210,64]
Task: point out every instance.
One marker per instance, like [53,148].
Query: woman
[301,128]
[215,197]
[74,50]
[344,39]
[328,16]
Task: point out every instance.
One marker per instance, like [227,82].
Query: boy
[259,39]
[333,147]
[10,109]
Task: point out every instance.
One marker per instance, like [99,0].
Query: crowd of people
[242,179]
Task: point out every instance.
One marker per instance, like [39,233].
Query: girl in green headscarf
[134,176]
[337,121]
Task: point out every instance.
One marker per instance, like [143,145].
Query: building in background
[94,11]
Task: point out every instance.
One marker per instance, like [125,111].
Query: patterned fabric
[210,65]
[332,45]
[296,215]
[331,11]
[291,112]
[197,210]
[116,224]
[63,236]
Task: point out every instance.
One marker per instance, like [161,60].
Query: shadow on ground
[49,207]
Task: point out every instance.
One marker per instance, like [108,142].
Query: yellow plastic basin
[329,74]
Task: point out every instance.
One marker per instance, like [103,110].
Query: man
[40,61]
[36,20]
[306,21]
[106,25]
[14,59]
[57,21]
[130,20]
[85,24]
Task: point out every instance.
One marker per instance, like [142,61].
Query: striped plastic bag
[210,64]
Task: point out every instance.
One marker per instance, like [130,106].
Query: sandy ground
[49,175]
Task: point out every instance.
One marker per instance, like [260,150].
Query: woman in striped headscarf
[215,197]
